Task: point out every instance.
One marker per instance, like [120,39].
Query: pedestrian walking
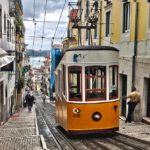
[29,99]
[135,98]
[44,98]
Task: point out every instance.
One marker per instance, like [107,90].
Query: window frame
[1,21]
[64,80]
[81,86]
[113,97]
[148,22]
[108,24]
[95,90]
[126,17]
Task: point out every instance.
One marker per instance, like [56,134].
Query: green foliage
[25,69]
[19,21]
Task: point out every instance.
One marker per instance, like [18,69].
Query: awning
[2,52]
[4,58]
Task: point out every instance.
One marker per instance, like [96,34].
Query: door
[148,98]
[124,93]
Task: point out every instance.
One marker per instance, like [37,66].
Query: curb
[36,125]
[43,143]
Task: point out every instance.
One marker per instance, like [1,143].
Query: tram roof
[82,48]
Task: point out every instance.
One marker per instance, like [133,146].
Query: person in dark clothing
[44,98]
[30,100]
[135,98]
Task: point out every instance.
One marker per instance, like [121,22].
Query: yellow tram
[86,86]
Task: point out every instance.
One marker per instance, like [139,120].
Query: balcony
[15,6]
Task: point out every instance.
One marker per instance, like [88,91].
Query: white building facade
[7,61]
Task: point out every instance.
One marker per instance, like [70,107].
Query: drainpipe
[100,27]
[135,43]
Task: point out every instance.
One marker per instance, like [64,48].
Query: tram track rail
[112,141]
[61,141]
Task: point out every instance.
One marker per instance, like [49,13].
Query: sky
[35,9]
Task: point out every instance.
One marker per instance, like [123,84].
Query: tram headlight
[76,111]
[96,116]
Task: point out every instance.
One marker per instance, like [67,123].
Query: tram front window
[75,83]
[95,83]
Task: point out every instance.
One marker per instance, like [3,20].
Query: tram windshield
[95,83]
[75,83]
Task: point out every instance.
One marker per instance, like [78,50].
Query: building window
[0,22]
[87,8]
[4,23]
[87,32]
[126,17]
[108,22]
[95,31]
[149,18]
[96,10]
[8,33]
[96,6]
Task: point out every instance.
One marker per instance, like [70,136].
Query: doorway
[148,98]
[123,94]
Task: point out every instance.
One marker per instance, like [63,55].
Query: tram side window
[59,83]
[75,83]
[95,83]
[113,82]
[64,80]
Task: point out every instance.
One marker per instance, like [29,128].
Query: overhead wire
[30,36]
[63,22]
[64,33]
[59,18]
[34,28]
[43,25]
[35,23]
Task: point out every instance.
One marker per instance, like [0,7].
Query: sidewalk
[137,130]
[21,132]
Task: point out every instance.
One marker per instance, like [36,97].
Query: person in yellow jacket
[135,98]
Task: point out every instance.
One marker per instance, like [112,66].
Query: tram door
[124,93]
[148,98]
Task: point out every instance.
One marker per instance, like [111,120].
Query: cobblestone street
[21,133]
